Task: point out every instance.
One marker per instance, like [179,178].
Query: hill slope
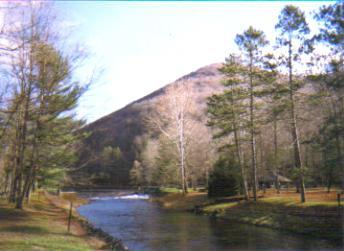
[121,128]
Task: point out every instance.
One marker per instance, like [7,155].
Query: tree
[251,43]
[227,112]
[292,28]
[201,154]
[112,163]
[275,107]
[40,124]
[173,117]
[330,84]
[246,73]
[167,161]
[223,179]
[148,159]
[137,174]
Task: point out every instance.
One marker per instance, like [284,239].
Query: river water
[144,226]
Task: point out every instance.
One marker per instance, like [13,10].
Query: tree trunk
[242,168]
[252,131]
[340,159]
[294,129]
[26,189]
[15,162]
[276,169]
[6,183]
[13,189]
[262,164]
[182,154]
[329,182]
[21,189]
[238,150]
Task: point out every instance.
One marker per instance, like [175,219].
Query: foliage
[223,180]
[269,114]
[40,125]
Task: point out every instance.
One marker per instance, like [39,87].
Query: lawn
[41,226]
[319,216]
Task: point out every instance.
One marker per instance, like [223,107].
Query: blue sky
[142,46]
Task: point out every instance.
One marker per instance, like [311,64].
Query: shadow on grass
[315,221]
[11,214]
[24,229]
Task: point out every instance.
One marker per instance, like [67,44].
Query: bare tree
[173,116]
[201,154]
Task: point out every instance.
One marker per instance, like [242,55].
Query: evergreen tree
[223,180]
[227,112]
[292,28]
[275,107]
[40,125]
[251,43]
[330,85]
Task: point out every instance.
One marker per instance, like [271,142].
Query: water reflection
[143,226]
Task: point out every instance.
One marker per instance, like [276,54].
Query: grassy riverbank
[42,226]
[319,217]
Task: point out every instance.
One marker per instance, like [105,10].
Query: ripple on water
[123,197]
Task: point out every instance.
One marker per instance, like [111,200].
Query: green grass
[170,190]
[179,202]
[221,207]
[318,219]
[40,226]
[289,202]
[43,242]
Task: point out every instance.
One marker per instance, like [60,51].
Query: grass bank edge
[319,219]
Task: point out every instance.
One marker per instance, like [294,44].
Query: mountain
[122,128]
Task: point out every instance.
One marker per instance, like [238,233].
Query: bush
[223,181]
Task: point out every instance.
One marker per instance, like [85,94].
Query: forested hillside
[126,132]
[255,140]
[270,115]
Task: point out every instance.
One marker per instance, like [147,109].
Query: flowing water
[144,226]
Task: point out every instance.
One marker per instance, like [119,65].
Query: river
[144,226]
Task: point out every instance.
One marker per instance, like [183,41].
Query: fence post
[338,199]
[70,215]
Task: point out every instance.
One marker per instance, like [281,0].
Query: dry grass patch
[180,202]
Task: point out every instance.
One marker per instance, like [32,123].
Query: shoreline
[323,222]
[42,225]
[320,221]
[111,243]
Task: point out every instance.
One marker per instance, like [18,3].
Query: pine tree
[275,107]
[330,84]
[251,43]
[292,28]
[227,112]
[40,124]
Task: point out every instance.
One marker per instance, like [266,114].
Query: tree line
[38,95]
[280,114]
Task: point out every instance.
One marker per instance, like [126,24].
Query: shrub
[223,181]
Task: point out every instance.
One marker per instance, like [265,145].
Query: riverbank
[42,225]
[109,242]
[319,217]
